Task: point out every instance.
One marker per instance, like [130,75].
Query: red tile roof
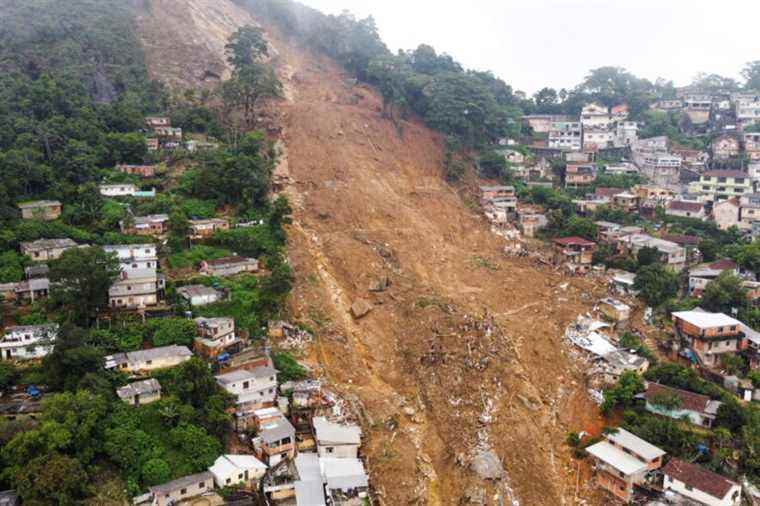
[682,239]
[680,205]
[689,400]
[699,478]
[724,264]
[573,241]
[607,192]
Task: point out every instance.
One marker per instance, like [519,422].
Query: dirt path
[464,349]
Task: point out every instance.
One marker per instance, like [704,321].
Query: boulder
[360,308]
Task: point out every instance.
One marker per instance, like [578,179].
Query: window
[202,484]
[689,487]
[330,449]
[228,481]
[149,362]
[183,491]
[246,385]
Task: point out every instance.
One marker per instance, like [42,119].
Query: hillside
[465,344]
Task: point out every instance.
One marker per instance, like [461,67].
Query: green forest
[74,92]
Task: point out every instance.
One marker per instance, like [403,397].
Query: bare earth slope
[463,350]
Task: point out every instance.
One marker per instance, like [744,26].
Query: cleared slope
[461,332]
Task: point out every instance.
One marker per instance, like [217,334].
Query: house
[667,105]
[747,109]
[622,169]
[751,142]
[336,440]
[580,175]
[152,144]
[620,361]
[542,123]
[566,135]
[656,193]
[490,193]
[701,275]
[134,256]
[595,115]
[229,266]
[46,210]
[724,147]
[37,271]
[622,282]
[749,211]
[697,108]
[626,201]
[513,156]
[686,209]
[277,441]
[710,335]
[236,470]
[144,171]
[671,254]
[32,290]
[692,158]
[500,210]
[660,168]
[345,480]
[596,138]
[45,250]
[215,335]
[622,460]
[619,112]
[200,295]
[607,193]
[157,121]
[149,360]
[168,137]
[679,404]
[203,229]
[531,223]
[136,288]
[253,389]
[26,342]
[118,190]
[696,483]
[726,213]
[607,230]
[722,184]
[140,392]
[660,143]
[576,252]
[151,225]
[614,310]
[182,489]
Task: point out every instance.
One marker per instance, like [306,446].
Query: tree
[289,368]
[52,479]
[709,249]
[246,46]
[724,294]
[80,280]
[169,331]
[71,359]
[647,256]
[546,100]
[155,472]
[656,284]
[492,165]
[248,86]
[751,75]
[629,385]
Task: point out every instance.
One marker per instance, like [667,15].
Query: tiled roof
[698,478]
[573,241]
[689,400]
[680,205]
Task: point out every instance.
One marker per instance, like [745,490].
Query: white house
[253,389]
[337,440]
[28,342]
[698,484]
[231,470]
[677,404]
[135,256]
[118,190]
[140,392]
[199,295]
[149,360]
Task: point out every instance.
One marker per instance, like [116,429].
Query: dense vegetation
[74,92]
[475,107]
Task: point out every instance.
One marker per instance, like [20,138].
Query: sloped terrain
[463,350]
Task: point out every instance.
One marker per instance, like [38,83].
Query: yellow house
[722,184]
